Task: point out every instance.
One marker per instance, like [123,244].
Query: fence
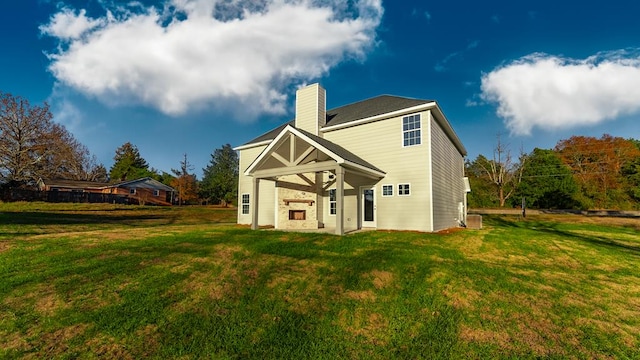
[10,195]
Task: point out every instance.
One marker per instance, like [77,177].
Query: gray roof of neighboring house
[145,182]
[378,105]
[340,151]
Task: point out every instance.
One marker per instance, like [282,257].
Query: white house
[387,163]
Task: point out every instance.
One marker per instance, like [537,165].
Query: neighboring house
[388,163]
[143,191]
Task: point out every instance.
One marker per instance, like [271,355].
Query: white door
[368,203]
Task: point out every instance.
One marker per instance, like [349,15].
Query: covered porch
[317,183]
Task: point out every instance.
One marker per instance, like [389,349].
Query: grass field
[127,282]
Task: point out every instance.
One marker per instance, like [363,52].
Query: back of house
[387,163]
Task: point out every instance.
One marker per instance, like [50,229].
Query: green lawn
[107,281]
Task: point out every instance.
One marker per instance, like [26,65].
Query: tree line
[33,147]
[581,172]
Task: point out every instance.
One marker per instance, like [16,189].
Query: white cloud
[69,24]
[552,92]
[195,53]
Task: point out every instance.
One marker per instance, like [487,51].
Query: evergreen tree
[129,164]
[220,181]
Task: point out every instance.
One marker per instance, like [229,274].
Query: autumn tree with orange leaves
[597,166]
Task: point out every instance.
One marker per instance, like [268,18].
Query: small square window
[156,192]
[387,190]
[404,189]
[132,191]
[245,204]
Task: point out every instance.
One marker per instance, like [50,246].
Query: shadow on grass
[552,229]
[54,218]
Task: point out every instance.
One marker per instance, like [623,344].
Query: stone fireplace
[297,207]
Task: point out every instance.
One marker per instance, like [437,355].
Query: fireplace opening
[297,214]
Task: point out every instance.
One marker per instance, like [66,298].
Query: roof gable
[314,148]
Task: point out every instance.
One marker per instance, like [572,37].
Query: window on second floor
[411,131]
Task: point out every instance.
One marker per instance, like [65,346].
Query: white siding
[245,186]
[448,184]
[380,143]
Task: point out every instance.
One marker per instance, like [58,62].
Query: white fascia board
[252,145]
[408,110]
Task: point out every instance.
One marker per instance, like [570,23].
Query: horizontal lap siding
[380,144]
[448,186]
[245,186]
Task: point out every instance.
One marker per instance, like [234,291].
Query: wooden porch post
[339,200]
[254,203]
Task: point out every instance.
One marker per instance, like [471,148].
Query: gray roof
[378,105]
[340,151]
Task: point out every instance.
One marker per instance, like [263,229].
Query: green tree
[220,180]
[129,164]
[631,174]
[547,183]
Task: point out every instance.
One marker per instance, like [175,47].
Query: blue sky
[187,76]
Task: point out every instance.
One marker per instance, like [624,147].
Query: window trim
[382,190]
[246,204]
[335,209]
[400,193]
[419,115]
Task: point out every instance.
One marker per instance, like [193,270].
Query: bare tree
[22,130]
[503,171]
[33,146]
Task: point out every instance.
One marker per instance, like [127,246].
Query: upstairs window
[411,134]
[387,190]
[245,204]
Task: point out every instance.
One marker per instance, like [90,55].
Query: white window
[332,202]
[411,134]
[245,204]
[156,192]
[404,189]
[132,191]
[387,190]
